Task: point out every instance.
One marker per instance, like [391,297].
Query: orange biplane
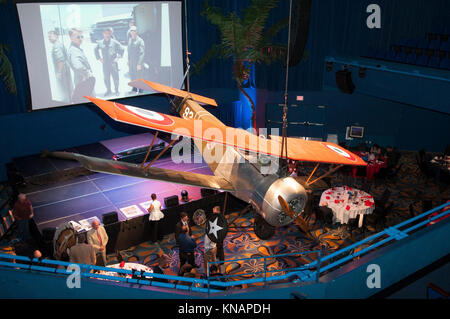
[243,163]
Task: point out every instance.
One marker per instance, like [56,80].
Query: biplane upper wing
[301,150]
[317,151]
[154,87]
[129,169]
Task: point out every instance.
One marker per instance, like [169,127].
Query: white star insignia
[214,228]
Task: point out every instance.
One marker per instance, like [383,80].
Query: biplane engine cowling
[292,191]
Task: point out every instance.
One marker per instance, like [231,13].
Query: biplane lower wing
[122,168]
[301,150]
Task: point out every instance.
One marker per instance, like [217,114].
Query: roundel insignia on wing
[147,115]
[341,152]
[216,227]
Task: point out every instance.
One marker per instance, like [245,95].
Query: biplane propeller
[242,162]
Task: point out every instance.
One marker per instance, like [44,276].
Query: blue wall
[337,27]
[386,122]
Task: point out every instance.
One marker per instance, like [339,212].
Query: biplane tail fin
[154,87]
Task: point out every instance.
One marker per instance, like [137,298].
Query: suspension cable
[285,109]
[187,45]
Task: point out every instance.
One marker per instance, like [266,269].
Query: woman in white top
[155,214]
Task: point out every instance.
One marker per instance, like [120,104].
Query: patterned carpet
[409,187]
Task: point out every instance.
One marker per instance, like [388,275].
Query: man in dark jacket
[23,212]
[187,247]
[184,221]
[219,253]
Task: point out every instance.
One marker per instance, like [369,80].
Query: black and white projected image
[96,49]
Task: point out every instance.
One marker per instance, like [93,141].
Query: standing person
[220,253]
[155,214]
[187,247]
[210,252]
[111,52]
[184,221]
[83,78]
[61,67]
[136,51]
[98,238]
[23,212]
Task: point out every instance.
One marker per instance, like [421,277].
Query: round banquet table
[127,266]
[343,209]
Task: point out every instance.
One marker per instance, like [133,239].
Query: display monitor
[356,131]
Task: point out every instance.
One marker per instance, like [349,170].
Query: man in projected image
[111,52]
[83,78]
[61,66]
[136,49]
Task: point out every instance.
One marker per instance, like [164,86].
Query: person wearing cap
[61,67]
[136,51]
[111,51]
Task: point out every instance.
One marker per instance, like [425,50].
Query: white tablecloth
[344,209]
[127,266]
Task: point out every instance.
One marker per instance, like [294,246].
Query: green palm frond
[6,70]
[244,40]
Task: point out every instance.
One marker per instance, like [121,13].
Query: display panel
[97,48]
[356,131]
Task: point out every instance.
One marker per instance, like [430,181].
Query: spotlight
[329,66]
[184,196]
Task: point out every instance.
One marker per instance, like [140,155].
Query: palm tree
[6,69]
[245,40]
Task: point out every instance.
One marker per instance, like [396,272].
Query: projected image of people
[108,52]
[136,50]
[82,72]
[61,67]
[96,49]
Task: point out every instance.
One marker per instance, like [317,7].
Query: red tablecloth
[372,167]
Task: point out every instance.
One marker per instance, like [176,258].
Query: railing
[392,233]
[137,277]
[305,273]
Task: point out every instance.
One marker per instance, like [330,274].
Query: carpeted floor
[409,187]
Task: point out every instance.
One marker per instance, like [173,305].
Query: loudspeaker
[207,192]
[171,201]
[110,218]
[344,81]
[301,12]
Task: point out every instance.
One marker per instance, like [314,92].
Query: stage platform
[89,195]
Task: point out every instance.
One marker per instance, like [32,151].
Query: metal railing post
[265,270]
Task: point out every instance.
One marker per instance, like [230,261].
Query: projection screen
[96,48]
